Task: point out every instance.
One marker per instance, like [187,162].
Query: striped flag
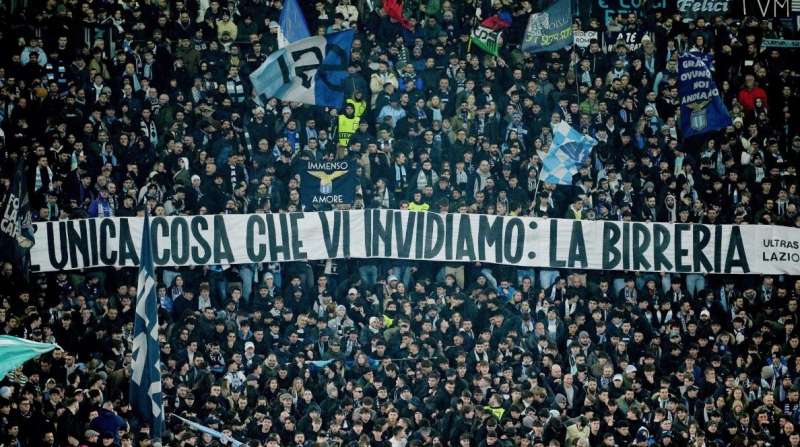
[16,351]
[145,391]
[570,149]
[486,39]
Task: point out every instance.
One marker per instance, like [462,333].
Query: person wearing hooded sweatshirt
[669,212]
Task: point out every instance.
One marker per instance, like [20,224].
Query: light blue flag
[292,24]
[311,71]
[319,363]
[570,149]
[16,351]
[214,433]
[145,390]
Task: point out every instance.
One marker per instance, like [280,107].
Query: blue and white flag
[145,391]
[16,351]
[702,109]
[223,439]
[549,30]
[570,150]
[311,71]
[293,25]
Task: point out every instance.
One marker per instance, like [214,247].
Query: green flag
[486,39]
[16,351]
[432,7]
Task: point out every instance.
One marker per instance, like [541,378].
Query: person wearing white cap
[340,321]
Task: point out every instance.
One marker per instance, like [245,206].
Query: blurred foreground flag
[16,351]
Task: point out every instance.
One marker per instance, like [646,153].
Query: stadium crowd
[126,107]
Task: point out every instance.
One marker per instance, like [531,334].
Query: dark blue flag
[16,227]
[702,109]
[145,391]
[549,30]
[328,182]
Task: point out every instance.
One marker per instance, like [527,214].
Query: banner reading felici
[693,9]
[417,236]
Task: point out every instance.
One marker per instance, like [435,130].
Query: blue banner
[328,183]
[702,109]
[311,71]
[550,30]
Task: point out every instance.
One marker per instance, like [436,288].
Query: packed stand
[134,107]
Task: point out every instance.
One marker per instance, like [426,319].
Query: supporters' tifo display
[399,223]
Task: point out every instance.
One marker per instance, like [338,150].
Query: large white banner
[395,234]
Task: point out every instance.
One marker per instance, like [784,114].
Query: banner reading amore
[535,242]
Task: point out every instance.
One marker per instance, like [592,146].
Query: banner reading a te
[395,234]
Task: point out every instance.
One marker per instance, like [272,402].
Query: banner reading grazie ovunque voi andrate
[416,236]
